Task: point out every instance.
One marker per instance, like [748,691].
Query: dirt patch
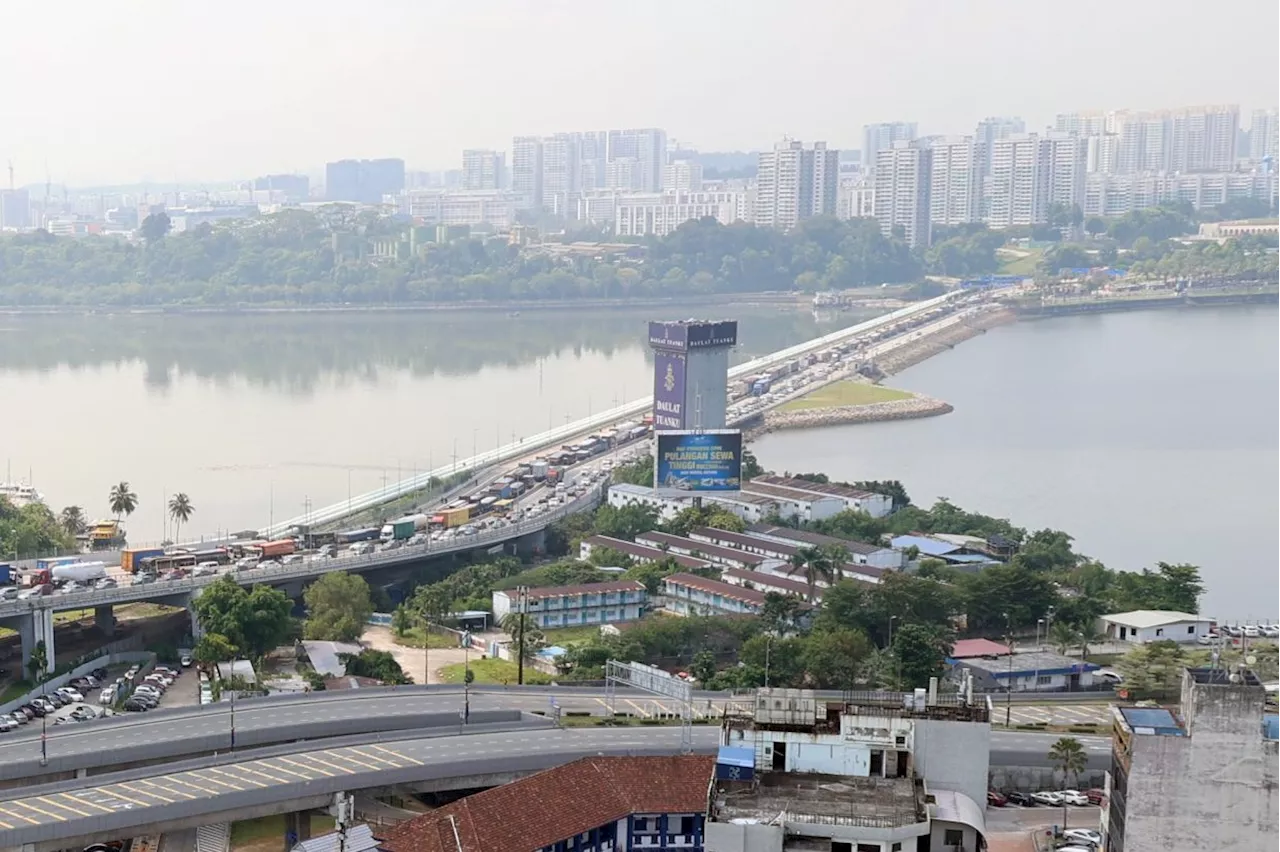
[413,660]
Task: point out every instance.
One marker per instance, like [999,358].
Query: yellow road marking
[306,766]
[73,797]
[151,782]
[60,805]
[342,770]
[350,759]
[244,767]
[235,778]
[138,792]
[182,780]
[108,791]
[4,824]
[379,758]
[398,756]
[8,812]
[291,772]
[26,804]
[224,783]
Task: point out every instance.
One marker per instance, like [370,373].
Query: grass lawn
[413,639]
[567,636]
[1018,264]
[492,670]
[266,834]
[839,394]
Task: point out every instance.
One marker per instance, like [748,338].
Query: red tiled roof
[558,804]
[716,587]
[656,539]
[769,582]
[965,649]
[584,588]
[644,551]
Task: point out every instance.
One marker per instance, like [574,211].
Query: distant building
[571,606]
[688,594]
[725,557]
[666,502]
[461,207]
[854,499]
[1204,777]
[526,170]
[876,771]
[658,214]
[955,180]
[15,209]
[883,135]
[860,553]
[903,177]
[639,553]
[794,183]
[1154,625]
[596,804]
[1264,134]
[482,169]
[363,181]
[1116,195]
[296,188]
[794,503]
[682,176]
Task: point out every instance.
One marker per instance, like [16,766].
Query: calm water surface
[1148,436]
[256,417]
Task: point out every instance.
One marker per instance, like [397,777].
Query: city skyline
[165,94]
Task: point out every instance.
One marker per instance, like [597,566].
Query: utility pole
[1008,696]
[522,602]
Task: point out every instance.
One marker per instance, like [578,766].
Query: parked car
[186,661]
[69,694]
[1095,796]
[1087,835]
[1074,848]
[20,717]
[1047,797]
[1073,797]
[83,713]
[107,696]
[1018,798]
[996,800]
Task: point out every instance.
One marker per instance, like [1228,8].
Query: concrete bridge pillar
[34,629]
[531,543]
[104,618]
[297,828]
[197,631]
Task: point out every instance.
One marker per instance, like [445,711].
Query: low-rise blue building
[571,606]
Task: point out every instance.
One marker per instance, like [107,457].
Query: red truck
[276,549]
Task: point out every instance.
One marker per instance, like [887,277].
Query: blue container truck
[6,573]
[352,536]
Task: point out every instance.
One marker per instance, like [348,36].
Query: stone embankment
[876,412]
[921,350]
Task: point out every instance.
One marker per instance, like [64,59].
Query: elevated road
[239,786]
[556,437]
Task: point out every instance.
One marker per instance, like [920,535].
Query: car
[327,551]
[270,563]
[1087,835]
[105,583]
[107,696]
[1019,798]
[83,714]
[134,705]
[19,717]
[1073,797]
[7,724]
[1047,797]
[1074,848]
[996,800]
[186,661]
[293,559]
[9,593]
[28,710]
[70,694]
[1095,796]
[1271,631]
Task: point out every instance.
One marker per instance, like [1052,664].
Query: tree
[1095,225]
[1063,637]
[817,564]
[213,648]
[780,612]
[920,653]
[379,665]
[1153,668]
[625,522]
[155,227]
[255,621]
[38,664]
[401,621]
[1068,757]
[703,666]
[750,465]
[888,487]
[833,659]
[180,510]
[122,500]
[515,627]
[72,520]
[338,606]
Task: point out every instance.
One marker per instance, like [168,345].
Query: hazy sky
[173,90]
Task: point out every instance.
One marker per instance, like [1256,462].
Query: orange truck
[276,549]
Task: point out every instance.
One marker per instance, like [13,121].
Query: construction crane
[11,175]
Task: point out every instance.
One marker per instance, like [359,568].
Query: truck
[49,562]
[80,572]
[500,489]
[539,469]
[131,559]
[6,573]
[402,528]
[455,516]
[352,536]
[274,549]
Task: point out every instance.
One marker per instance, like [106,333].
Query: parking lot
[1063,715]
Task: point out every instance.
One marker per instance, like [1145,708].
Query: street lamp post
[768,646]
[1008,695]
[1039,621]
[897,680]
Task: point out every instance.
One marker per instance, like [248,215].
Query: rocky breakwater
[811,418]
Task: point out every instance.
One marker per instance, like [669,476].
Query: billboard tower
[691,373]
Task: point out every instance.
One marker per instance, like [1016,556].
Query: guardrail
[301,570]
[524,446]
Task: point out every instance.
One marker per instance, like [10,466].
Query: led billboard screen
[699,461]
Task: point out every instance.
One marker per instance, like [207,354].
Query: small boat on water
[20,494]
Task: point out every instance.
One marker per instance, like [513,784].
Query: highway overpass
[302,776]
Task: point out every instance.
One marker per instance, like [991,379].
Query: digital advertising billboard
[699,461]
[669,370]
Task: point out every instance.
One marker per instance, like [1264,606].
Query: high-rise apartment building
[794,183]
[1203,138]
[1102,153]
[1264,134]
[294,187]
[482,169]
[15,209]
[1065,164]
[682,176]
[955,181]
[1188,139]
[647,147]
[363,181]
[1017,186]
[902,185]
[883,135]
[559,172]
[1091,123]
[526,170]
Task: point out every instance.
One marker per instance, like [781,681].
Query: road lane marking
[27,804]
[291,772]
[349,759]
[148,793]
[182,780]
[315,757]
[223,783]
[375,757]
[399,756]
[4,824]
[111,792]
[11,813]
[73,797]
[57,804]
[330,759]
[643,713]
[245,767]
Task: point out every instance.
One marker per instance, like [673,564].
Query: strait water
[1149,436]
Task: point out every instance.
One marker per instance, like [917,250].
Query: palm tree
[1063,637]
[123,500]
[180,509]
[816,563]
[72,520]
[1087,636]
[1067,755]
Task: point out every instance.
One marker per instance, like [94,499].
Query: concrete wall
[953,756]
[82,669]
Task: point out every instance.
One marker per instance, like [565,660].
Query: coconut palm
[181,510]
[123,500]
[1086,637]
[1067,755]
[1063,637]
[72,520]
[816,564]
